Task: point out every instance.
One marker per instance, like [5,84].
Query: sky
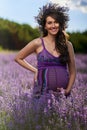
[24,11]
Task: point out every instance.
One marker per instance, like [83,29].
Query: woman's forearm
[71,81]
[26,65]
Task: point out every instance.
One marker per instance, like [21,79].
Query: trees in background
[79,41]
[14,36]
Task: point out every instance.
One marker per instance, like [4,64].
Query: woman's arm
[27,50]
[72,69]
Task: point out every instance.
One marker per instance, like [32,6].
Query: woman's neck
[50,38]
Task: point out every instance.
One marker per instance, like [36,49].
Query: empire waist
[51,66]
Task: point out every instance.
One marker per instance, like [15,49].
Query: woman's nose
[53,24]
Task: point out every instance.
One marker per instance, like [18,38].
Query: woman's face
[52,26]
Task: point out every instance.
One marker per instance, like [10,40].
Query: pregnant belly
[57,77]
[53,77]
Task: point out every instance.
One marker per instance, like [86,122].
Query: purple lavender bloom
[24,112]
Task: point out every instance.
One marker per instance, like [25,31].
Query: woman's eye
[56,22]
[49,22]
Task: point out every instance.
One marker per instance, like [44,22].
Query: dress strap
[42,42]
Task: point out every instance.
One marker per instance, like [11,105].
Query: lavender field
[19,112]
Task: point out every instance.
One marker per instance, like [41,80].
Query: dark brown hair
[61,16]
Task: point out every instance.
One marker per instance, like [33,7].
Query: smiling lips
[54,29]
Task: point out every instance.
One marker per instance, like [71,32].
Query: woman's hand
[60,89]
[67,92]
[64,91]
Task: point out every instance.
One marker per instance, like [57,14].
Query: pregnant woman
[56,63]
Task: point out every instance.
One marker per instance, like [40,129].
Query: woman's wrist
[35,71]
[35,74]
[67,91]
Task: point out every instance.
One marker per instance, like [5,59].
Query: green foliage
[79,41]
[1,48]
[14,36]
[3,115]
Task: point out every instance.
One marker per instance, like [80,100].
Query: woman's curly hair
[61,16]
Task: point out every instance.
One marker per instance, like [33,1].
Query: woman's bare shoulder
[69,44]
[70,48]
[37,41]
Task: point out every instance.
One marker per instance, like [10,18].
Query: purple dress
[51,73]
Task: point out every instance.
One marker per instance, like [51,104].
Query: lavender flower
[24,112]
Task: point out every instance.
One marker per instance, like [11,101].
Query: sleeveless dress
[51,73]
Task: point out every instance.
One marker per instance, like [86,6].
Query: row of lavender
[18,109]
